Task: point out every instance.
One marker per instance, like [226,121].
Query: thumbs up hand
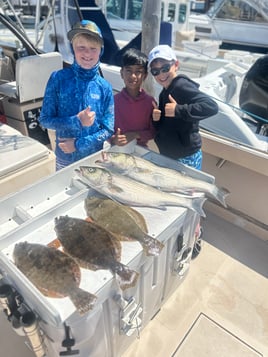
[170,107]
[86,117]
[117,137]
[118,132]
[156,112]
[122,139]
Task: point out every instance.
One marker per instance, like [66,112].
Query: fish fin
[126,277]
[125,238]
[50,293]
[87,265]
[152,246]
[54,243]
[142,170]
[197,204]
[114,189]
[220,194]
[186,191]
[82,300]
[117,245]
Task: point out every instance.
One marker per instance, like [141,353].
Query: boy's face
[86,50]
[164,71]
[133,76]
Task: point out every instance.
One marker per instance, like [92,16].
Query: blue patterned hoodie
[69,91]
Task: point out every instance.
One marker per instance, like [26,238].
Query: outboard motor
[253,96]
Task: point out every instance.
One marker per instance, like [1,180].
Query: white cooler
[23,160]
[118,316]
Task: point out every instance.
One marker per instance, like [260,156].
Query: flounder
[122,220]
[53,272]
[93,247]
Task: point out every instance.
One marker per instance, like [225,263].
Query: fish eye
[91,169]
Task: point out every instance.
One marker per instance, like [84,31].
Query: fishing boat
[121,27]
[240,24]
[231,85]
[213,305]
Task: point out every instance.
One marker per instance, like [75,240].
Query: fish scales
[134,193]
[54,273]
[166,179]
[122,220]
[93,247]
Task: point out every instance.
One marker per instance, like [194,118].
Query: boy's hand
[156,112]
[86,117]
[67,145]
[118,139]
[122,139]
[170,107]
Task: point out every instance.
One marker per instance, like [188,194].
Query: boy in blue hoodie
[78,102]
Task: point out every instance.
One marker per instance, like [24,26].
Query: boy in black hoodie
[181,106]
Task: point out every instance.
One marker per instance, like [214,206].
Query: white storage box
[208,48]
[118,315]
[23,160]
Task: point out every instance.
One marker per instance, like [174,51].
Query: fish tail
[125,276]
[152,246]
[82,300]
[197,204]
[220,194]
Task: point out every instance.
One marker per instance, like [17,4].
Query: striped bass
[165,179]
[133,193]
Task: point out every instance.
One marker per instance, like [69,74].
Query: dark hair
[133,56]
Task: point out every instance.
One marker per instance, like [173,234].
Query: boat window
[8,39]
[162,10]
[171,12]
[182,14]
[198,5]
[240,11]
[128,10]
[134,10]
[116,8]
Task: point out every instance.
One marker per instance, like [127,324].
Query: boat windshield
[215,7]
[246,10]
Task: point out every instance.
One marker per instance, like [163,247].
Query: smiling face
[86,50]
[133,77]
[164,71]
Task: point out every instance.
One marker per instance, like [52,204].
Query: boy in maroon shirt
[133,106]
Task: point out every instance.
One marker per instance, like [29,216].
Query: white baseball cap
[161,51]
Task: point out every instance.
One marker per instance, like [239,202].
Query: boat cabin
[239,23]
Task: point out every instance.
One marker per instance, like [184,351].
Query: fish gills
[54,273]
[93,247]
[122,220]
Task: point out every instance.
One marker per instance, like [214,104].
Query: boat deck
[221,309]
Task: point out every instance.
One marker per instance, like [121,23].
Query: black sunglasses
[164,69]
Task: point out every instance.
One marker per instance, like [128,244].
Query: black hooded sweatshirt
[179,136]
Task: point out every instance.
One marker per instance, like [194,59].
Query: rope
[241,110]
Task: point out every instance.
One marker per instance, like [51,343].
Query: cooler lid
[17,151]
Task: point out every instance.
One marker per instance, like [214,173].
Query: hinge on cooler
[182,260]
[130,320]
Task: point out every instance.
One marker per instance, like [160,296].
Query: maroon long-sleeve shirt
[134,114]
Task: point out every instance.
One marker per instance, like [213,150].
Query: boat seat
[32,74]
